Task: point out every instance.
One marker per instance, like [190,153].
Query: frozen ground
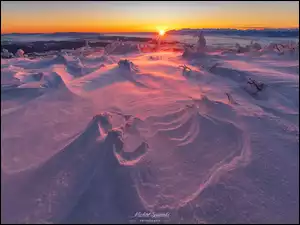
[88,138]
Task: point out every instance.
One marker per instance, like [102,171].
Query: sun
[162,32]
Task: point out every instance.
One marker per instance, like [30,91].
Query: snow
[100,136]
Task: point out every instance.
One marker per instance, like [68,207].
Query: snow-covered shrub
[6,54]
[230,99]
[198,48]
[125,63]
[241,49]
[20,53]
[155,57]
[253,86]
[186,71]
[52,80]
[147,48]
[118,47]
[280,49]
[87,44]
[256,46]
[109,48]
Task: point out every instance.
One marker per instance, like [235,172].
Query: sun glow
[162,32]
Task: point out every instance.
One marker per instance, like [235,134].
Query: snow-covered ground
[205,137]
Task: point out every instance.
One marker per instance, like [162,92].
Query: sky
[144,16]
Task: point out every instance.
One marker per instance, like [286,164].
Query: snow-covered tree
[201,43]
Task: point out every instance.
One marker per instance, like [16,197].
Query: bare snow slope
[200,144]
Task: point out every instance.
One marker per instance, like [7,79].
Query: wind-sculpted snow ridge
[61,187]
[205,134]
[67,193]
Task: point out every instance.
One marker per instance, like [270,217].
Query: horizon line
[241,29]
